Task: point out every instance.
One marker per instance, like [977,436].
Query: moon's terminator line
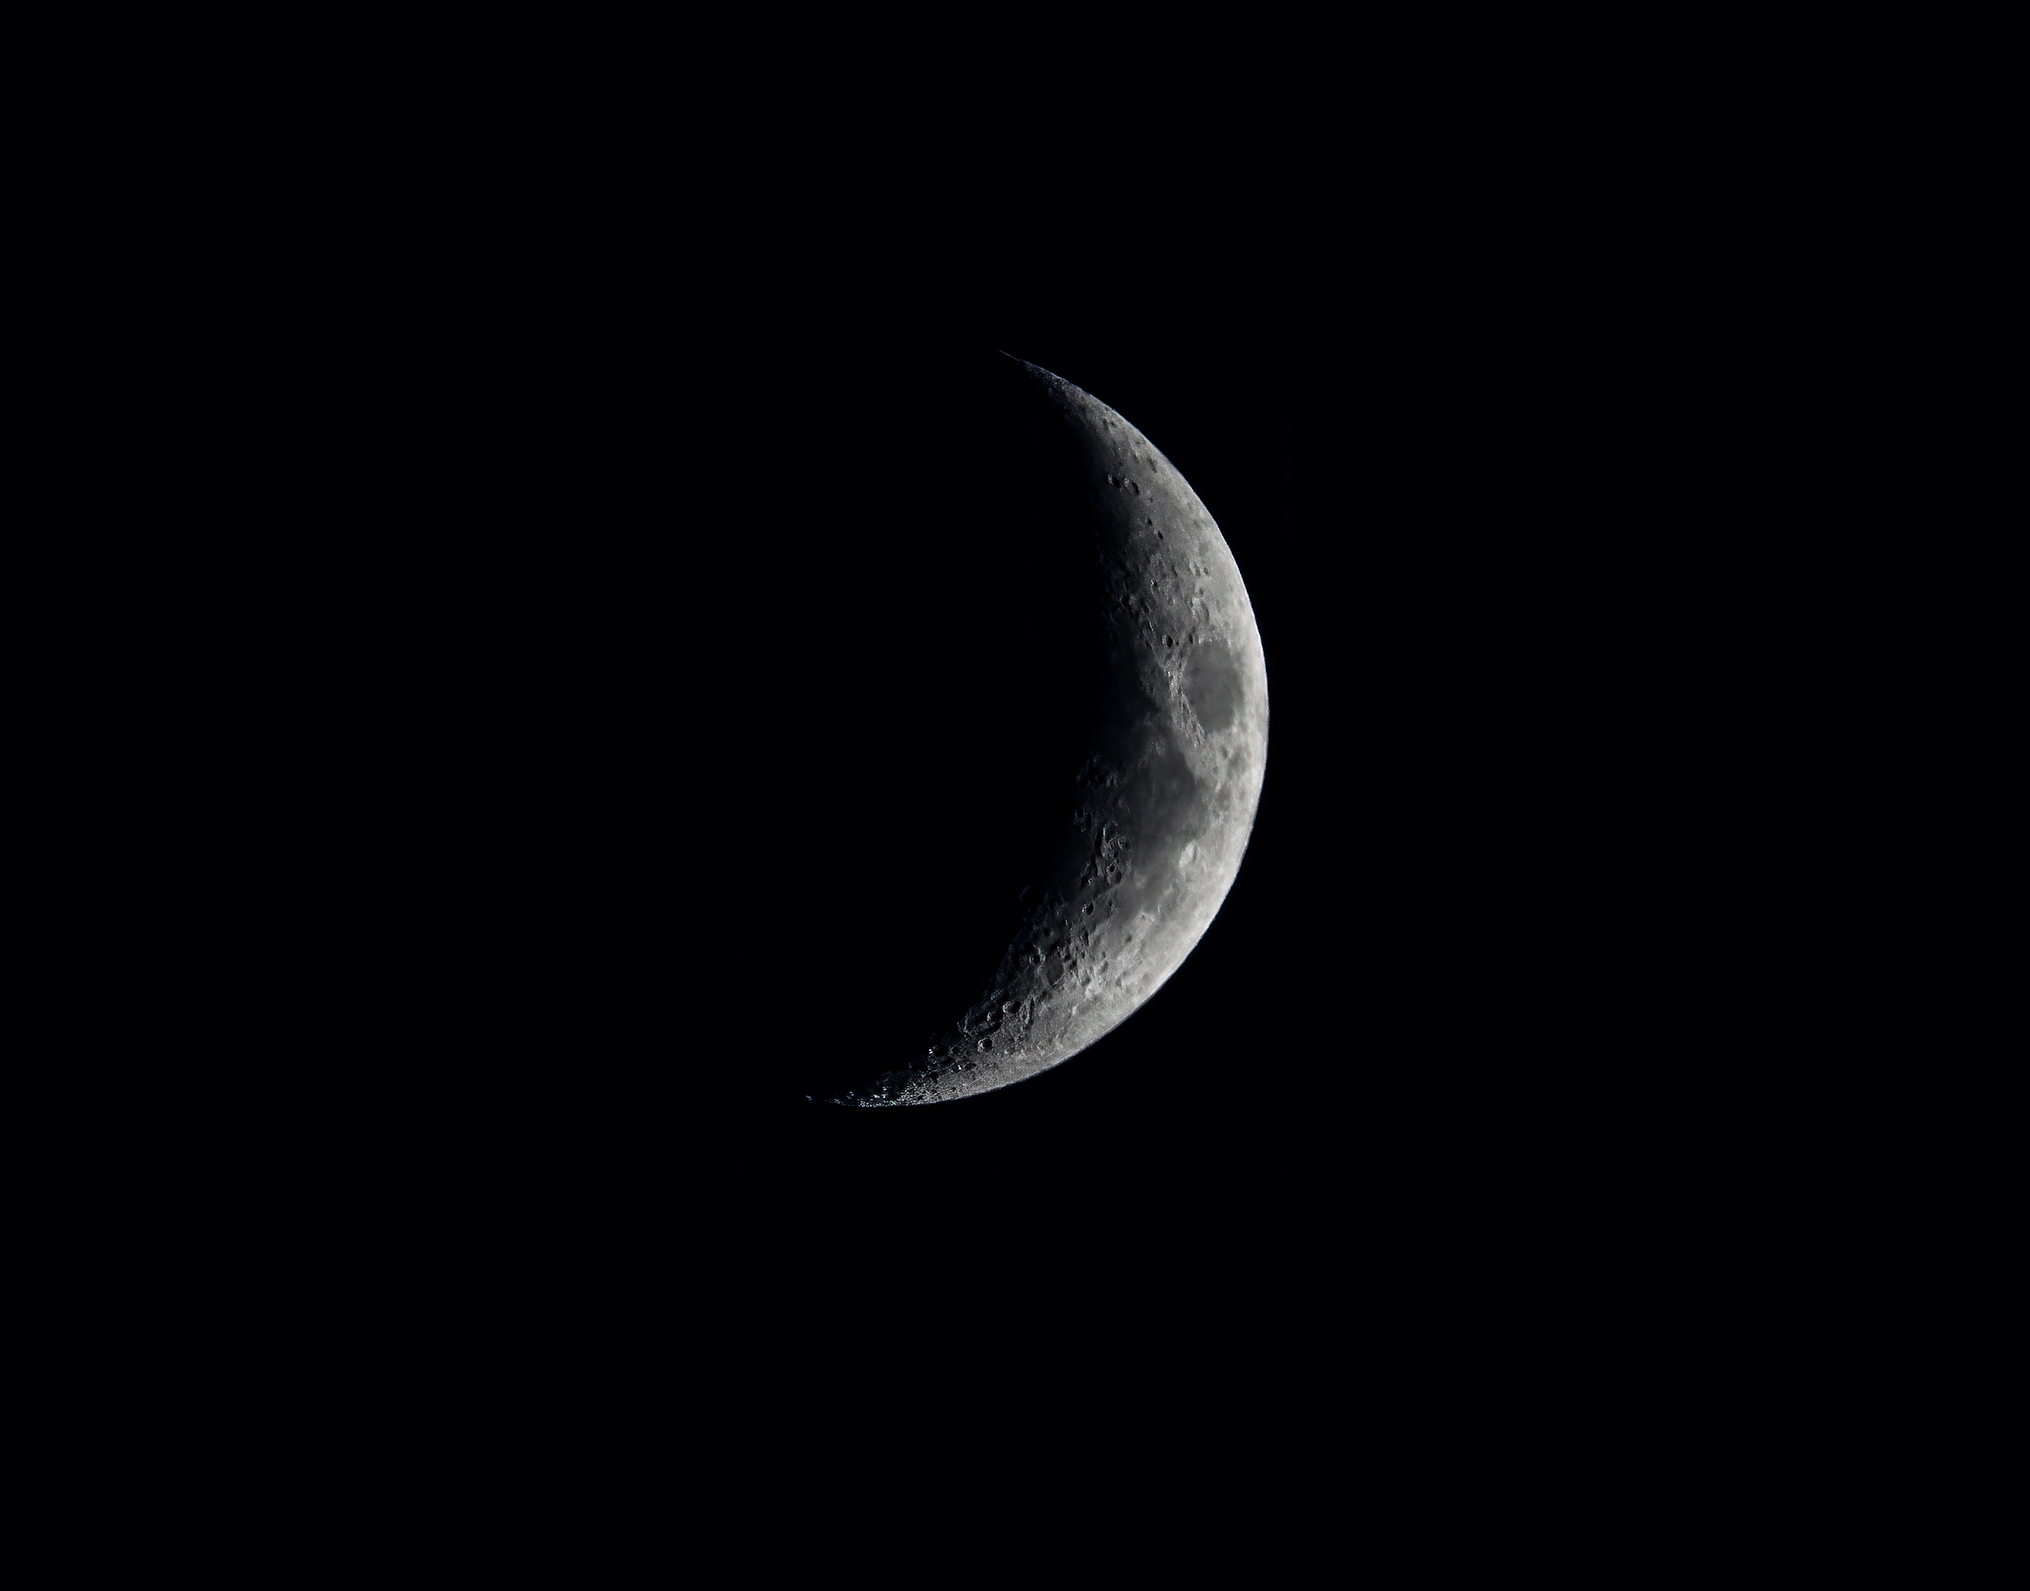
[1166,799]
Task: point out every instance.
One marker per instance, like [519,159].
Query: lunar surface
[1163,804]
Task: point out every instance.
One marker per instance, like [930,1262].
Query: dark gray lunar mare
[1166,800]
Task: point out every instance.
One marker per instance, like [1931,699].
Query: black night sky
[1541,566]
[1550,490]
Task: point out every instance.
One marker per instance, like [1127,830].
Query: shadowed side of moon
[1148,834]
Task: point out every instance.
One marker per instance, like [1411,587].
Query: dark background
[1558,467]
[1552,481]
[1550,518]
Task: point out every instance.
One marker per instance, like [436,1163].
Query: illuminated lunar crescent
[1166,799]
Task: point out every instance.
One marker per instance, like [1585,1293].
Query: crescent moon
[1164,802]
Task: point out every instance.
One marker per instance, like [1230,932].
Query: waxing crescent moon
[1165,800]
